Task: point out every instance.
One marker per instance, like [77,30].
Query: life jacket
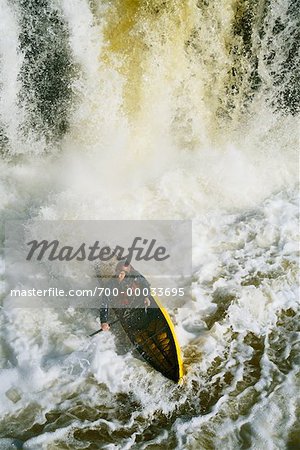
[123,296]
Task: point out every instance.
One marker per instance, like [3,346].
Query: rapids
[154,109]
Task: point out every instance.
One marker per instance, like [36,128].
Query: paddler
[126,280]
[137,281]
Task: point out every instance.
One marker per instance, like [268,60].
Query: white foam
[172,159]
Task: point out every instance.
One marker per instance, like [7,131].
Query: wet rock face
[47,70]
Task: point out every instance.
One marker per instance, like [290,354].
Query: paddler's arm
[144,285]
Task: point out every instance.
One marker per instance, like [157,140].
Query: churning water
[154,109]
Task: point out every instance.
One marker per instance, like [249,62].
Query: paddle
[99,331]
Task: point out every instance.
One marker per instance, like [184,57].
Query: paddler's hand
[147,302]
[105,326]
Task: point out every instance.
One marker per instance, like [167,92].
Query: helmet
[123,265]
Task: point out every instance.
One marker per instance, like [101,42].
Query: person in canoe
[128,293]
[147,326]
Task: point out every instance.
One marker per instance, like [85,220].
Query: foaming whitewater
[157,110]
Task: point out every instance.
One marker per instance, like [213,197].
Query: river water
[135,109]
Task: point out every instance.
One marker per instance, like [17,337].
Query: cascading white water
[157,110]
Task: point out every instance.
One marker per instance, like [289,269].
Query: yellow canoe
[152,333]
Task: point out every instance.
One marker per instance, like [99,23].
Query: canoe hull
[152,333]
